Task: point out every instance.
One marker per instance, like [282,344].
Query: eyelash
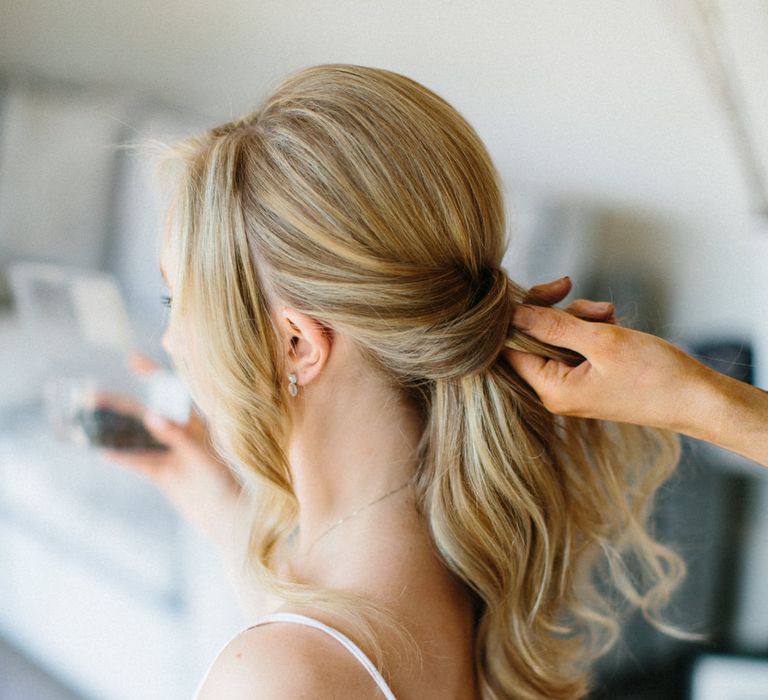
[165,300]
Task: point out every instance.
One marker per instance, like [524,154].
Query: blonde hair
[365,200]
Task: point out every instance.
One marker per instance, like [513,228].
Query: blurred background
[632,139]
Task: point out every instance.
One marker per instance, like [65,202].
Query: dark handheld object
[105,427]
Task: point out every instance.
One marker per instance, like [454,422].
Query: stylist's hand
[628,375]
[189,474]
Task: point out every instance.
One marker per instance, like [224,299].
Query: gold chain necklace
[359,510]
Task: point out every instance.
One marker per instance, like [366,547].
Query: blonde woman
[403,514]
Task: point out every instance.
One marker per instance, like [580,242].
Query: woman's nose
[165,341]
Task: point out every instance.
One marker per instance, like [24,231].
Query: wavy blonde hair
[363,199]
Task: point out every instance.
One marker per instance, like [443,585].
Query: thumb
[526,364]
[165,430]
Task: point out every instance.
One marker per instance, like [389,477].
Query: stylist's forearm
[732,415]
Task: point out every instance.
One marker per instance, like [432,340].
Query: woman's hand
[201,488]
[193,479]
[634,377]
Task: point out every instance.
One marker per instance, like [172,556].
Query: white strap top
[346,641]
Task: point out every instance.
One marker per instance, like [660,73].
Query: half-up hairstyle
[363,199]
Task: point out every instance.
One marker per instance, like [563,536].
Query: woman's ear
[309,344]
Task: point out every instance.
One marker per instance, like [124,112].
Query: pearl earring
[293,387]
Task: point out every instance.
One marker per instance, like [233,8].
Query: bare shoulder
[284,661]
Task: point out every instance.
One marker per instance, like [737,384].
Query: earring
[293,387]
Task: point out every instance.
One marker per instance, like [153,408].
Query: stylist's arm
[636,377]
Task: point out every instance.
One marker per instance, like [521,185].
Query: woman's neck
[350,446]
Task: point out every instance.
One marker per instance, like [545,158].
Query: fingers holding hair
[556,327]
[549,293]
[590,310]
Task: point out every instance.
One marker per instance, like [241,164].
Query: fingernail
[154,420]
[567,277]
[604,305]
[523,316]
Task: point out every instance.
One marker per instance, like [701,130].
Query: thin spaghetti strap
[339,636]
